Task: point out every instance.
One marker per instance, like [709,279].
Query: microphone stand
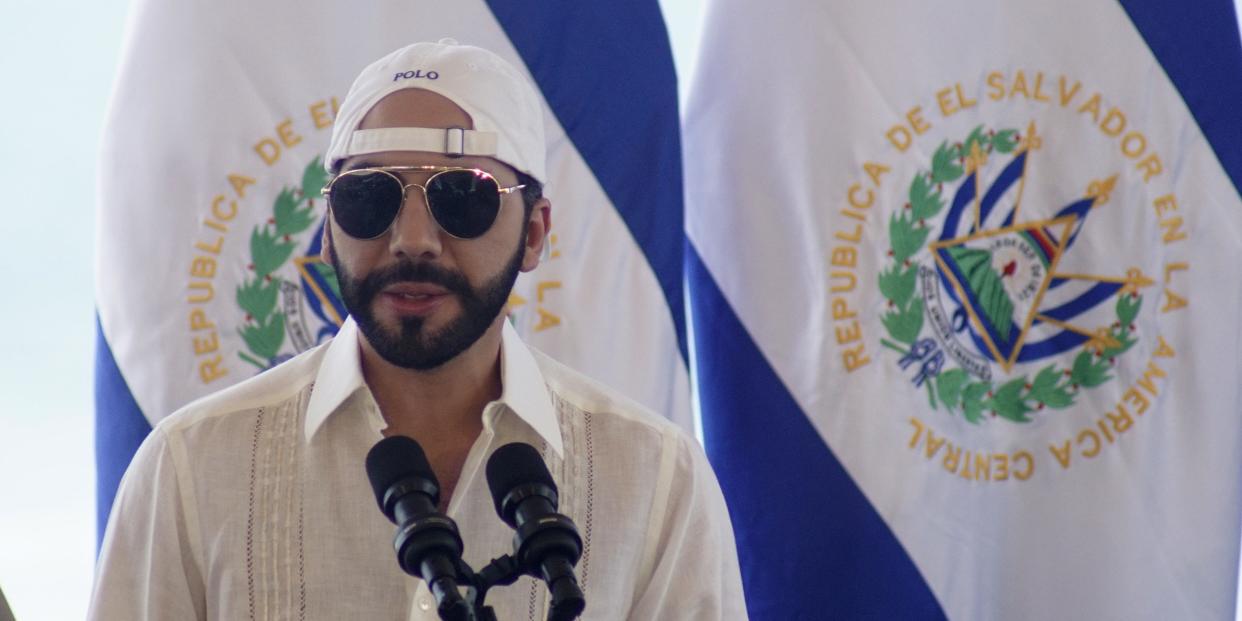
[504,571]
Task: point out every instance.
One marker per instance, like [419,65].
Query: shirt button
[424,604]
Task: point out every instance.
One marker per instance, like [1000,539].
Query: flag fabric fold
[961,305]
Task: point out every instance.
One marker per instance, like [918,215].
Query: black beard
[412,347]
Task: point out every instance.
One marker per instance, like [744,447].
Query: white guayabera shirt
[254,503]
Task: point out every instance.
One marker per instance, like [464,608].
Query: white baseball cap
[506,110]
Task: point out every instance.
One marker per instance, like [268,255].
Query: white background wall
[57,63]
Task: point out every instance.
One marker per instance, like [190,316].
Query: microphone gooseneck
[547,543]
[427,542]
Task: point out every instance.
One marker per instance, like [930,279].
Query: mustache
[416,271]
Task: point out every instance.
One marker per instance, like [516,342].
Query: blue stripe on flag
[606,70]
[814,548]
[119,428]
[1200,51]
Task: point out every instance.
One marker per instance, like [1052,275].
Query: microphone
[427,542]
[547,543]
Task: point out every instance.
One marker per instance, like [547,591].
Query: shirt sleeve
[146,568]
[695,571]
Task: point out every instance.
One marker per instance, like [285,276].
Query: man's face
[407,340]
[421,297]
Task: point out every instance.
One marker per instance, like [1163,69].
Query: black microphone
[547,543]
[427,543]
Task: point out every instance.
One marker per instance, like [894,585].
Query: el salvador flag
[210,213]
[962,280]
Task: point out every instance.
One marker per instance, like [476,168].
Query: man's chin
[405,346]
[413,331]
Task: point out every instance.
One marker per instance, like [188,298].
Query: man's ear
[537,228]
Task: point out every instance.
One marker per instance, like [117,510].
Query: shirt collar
[523,389]
[339,377]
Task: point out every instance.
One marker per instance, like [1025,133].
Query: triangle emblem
[1000,276]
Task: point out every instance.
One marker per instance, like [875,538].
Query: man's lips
[414,289]
[414,298]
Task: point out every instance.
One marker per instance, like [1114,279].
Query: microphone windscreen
[513,465]
[393,459]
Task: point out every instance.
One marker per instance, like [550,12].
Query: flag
[962,280]
[210,215]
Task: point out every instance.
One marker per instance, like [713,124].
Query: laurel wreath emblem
[955,389]
[272,243]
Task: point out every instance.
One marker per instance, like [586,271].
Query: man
[253,503]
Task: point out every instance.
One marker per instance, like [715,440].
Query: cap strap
[451,141]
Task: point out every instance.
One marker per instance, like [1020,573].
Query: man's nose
[414,233]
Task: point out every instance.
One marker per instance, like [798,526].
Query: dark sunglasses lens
[365,204]
[463,202]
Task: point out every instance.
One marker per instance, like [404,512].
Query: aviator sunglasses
[463,201]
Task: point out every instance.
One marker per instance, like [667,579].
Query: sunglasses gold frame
[439,170]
